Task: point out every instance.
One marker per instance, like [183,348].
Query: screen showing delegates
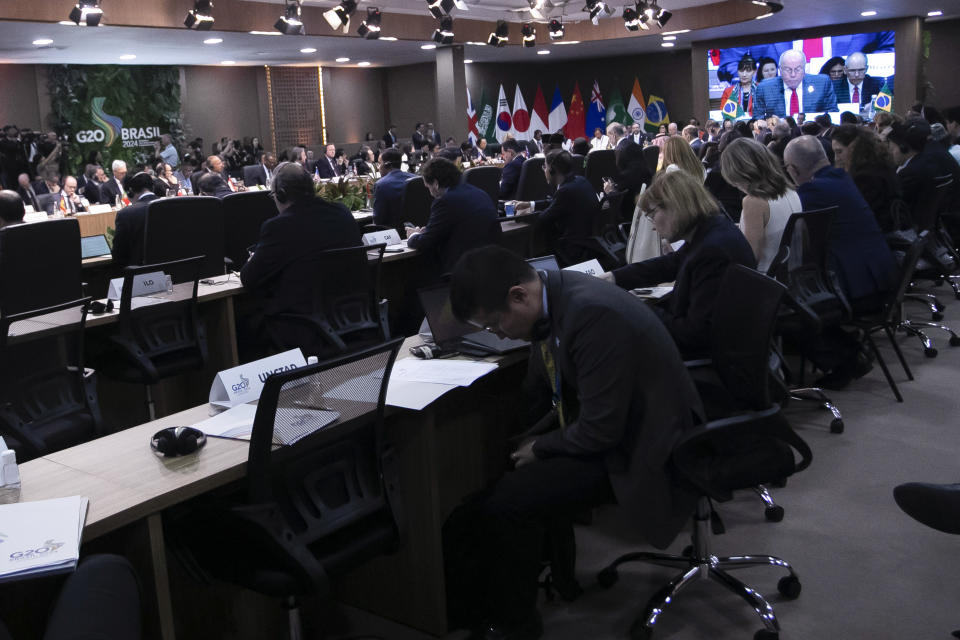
[813,76]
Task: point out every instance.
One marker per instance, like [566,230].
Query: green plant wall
[97,106]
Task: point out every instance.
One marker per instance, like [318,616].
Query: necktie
[794,103]
[856,94]
[553,374]
[333,167]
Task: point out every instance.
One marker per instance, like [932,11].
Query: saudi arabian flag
[616,110]
[884,100]
[485,117]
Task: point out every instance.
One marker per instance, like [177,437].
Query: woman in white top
[769,200]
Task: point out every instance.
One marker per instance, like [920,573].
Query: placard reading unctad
[245,382]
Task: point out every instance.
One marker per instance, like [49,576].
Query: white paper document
[414,395]
[448,372]
[40,537]
[652,292]
[235,422]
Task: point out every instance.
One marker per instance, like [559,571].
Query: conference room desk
[95,224]
[449,450]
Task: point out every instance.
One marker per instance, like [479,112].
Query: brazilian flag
[884,99]
[732,110]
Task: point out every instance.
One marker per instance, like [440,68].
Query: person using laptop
[622,398]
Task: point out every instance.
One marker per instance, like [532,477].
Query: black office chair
[533,184]
[493,149]
[321,504]
[606,243]
[177,228]
[251,174]
[752,446]
[158,336]
[243,215]
[40,265]
[416,202]
[600,164]
[486,178]
[342,309]
[651,155]
[579,164]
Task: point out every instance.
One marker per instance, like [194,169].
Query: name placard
[143,285]
[590,267]
[245,382]
[99,208]
[387,237]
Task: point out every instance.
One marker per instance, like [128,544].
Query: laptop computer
[94,247]
[544,263]
[449,333]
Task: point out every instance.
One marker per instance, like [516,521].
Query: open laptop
[94,247]
[544,263]
[450,333]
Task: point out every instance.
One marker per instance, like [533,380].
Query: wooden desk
[95,224]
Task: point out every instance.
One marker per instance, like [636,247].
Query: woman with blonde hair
[682,209]
[769,201]
[678,152]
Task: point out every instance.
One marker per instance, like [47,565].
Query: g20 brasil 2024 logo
[110,128]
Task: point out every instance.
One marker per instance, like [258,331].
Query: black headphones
[541,328]
[177,441]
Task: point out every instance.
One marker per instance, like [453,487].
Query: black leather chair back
[651,155]
[532,184]
[579,164]
[40,265]
[600,164]
[486,178]
[936,193]
[243,215]
[251,174]
[416,202]
[185,227]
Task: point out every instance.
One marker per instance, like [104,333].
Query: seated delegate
[682,209]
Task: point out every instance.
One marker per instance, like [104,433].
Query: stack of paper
[40,537]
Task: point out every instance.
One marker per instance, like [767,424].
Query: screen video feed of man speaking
[813,76]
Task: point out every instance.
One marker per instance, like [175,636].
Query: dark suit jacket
[128,240]
[858,253]
[388,199]
[254,174]
[572,210]
[461,219]
[696,145]
[109,192]
[871,86]
[300,232]
[933,161]
[30,197]
[418,140]
[91,191]
[389,139]
[510,178]
[51,203]
[635,398]
[696,269]
[325,170]
[818,95]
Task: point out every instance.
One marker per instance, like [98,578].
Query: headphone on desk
[177,441]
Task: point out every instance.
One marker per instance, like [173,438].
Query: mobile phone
[393,250]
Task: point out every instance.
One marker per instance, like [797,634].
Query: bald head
[804,156]
[792,67]
[856,68]
[11,208]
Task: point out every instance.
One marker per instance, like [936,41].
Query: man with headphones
[128,239]
[305,226]
[388,191]
[573,209]
[622,397]
[918,159]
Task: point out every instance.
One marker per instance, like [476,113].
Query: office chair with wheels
[485,178]
[533,184]
[753,446]
[178,228]
[600,164]
[342,310]
[243,215]
[416,203]
[320,504]
[160,335]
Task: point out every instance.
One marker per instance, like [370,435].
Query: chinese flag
[576,117]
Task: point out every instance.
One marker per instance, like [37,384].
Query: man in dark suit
[212,184]
[262,172]
[793,91]
[512,164]
[433,135]
[855,85]
[691,135]
[30,190]
[114,187]
[461,217]
[390,137]
[66,201]
[919,160]
[128,240]
[595,346]
[304,226]
[11,208]
[418,137]
[388,191]
[572,210]
[326,167]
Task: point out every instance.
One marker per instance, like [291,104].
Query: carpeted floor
[867,569]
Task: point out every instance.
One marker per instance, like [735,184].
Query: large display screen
[820,75]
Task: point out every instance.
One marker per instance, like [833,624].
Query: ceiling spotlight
[370,28]
[363,64]
[631,19]
[556,29]
[440,8]
[529,35]
[290,23]
[201,16]
[87,12]
[652,12]
[339,16]
[444,34]
[773,5]
[934,14]
[594,7]
[500,35]
[536,8]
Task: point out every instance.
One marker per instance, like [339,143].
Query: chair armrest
[695,364]
[322,327]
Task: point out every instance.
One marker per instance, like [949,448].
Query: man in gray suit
[622,398]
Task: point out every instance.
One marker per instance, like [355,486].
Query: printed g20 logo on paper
[28,554]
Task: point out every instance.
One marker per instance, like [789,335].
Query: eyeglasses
[491,327]
[791,70]
[855,71]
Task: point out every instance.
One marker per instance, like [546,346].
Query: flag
[521,117]
[472,132]
[884,99]
[732,109]
[575,126]
[597,114]
[558,113]
[656,114]
[504,121]
[486,122]
[637,108]
[539,116]
[617,111]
